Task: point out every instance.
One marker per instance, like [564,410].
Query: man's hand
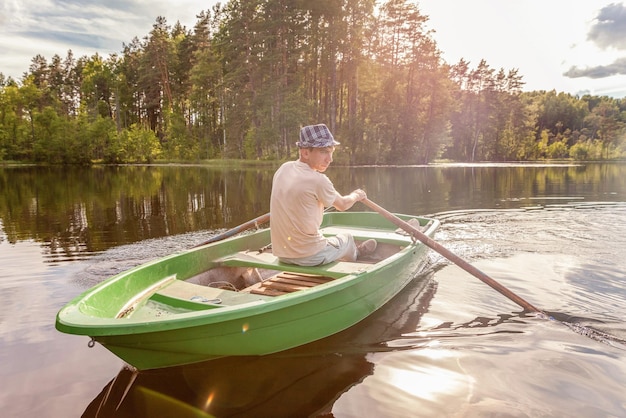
[359,195]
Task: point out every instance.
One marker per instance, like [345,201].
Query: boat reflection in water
[304,381]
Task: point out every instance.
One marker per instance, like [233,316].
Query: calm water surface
[448,345]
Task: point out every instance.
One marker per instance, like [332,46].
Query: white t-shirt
[299,195]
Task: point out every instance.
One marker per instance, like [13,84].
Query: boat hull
[258,325]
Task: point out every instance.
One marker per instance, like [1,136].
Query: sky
[571,46]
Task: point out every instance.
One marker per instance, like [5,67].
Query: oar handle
[417,234]
[254,223]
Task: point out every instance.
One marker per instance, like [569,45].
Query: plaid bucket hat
[316,136]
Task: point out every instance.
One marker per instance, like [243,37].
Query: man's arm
[342,203]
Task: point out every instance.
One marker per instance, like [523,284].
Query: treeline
[251,72]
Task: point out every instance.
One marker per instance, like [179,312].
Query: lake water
[447,345]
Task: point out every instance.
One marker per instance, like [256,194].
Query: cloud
[609,31]
[48,27]
[618,67]
[76,39]
[87,19]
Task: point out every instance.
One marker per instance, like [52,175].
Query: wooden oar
[238,229]
[451,256]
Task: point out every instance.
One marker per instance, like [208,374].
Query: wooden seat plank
[269,261]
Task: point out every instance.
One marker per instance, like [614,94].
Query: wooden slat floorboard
[286,282]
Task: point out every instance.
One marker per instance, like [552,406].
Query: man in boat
[300,192]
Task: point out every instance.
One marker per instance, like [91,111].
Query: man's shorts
[339,247]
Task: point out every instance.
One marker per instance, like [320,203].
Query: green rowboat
[232,298]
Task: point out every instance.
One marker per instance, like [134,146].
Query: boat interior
[260,272]
[257,275]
